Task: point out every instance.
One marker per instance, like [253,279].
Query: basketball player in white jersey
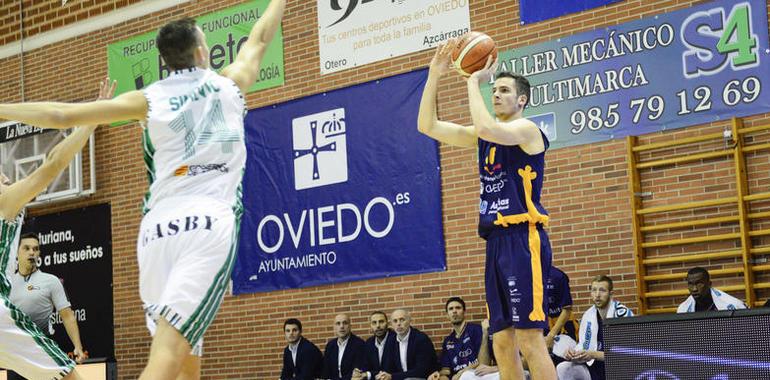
[195,156]
[24,348]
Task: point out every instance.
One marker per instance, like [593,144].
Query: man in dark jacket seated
[302,360]
[344,352]
[410,353]
[374,347]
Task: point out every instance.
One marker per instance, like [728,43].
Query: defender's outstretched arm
[18,194]
[245,69]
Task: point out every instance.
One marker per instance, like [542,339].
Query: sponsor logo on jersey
[489,162]
[194,170]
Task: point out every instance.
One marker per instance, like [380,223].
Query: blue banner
[693,66]
[338,187]
[539,10]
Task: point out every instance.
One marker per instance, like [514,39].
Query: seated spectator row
[398,351]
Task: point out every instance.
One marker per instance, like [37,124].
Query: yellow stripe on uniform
[533,217]
[537,313]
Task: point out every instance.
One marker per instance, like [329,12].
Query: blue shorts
[516,277]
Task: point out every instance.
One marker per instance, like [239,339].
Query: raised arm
[128,106]
[15,196]
[427,120]
[520,131]
[245,69]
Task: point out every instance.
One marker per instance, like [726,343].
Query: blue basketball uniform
[461,352]
[512,220]
[559,297]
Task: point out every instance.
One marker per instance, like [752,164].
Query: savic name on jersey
[198,93]
[193,138]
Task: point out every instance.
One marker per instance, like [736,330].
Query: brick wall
[586,188]
[44,15]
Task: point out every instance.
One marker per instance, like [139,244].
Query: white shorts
[25,350]
[186,249]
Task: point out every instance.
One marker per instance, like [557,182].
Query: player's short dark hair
[176,43]
[293,321]
[603,278]
[454,299]
[29,235]
[521,83]
[701,270]
[378,312]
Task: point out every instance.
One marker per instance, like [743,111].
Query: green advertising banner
[135,63]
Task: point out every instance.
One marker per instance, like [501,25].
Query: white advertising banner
[356,32]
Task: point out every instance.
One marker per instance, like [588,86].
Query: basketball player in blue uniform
[511,151]
[559,310]
[559,306]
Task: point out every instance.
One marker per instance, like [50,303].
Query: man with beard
[374,347]
[703,297]
[586,360]
[460,349]
[302,360]
[344,352]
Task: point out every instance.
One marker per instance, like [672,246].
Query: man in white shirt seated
[586,360]
[302,360]
[705,298]
[344,352]
[410,353]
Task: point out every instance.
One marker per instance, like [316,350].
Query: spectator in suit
[411,354]
[374,347]
[344,352]
[302,360]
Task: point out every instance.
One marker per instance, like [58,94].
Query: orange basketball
[471,52]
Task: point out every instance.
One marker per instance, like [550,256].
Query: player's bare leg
[191,368]
[167,354]
[507,355]
[532,345]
